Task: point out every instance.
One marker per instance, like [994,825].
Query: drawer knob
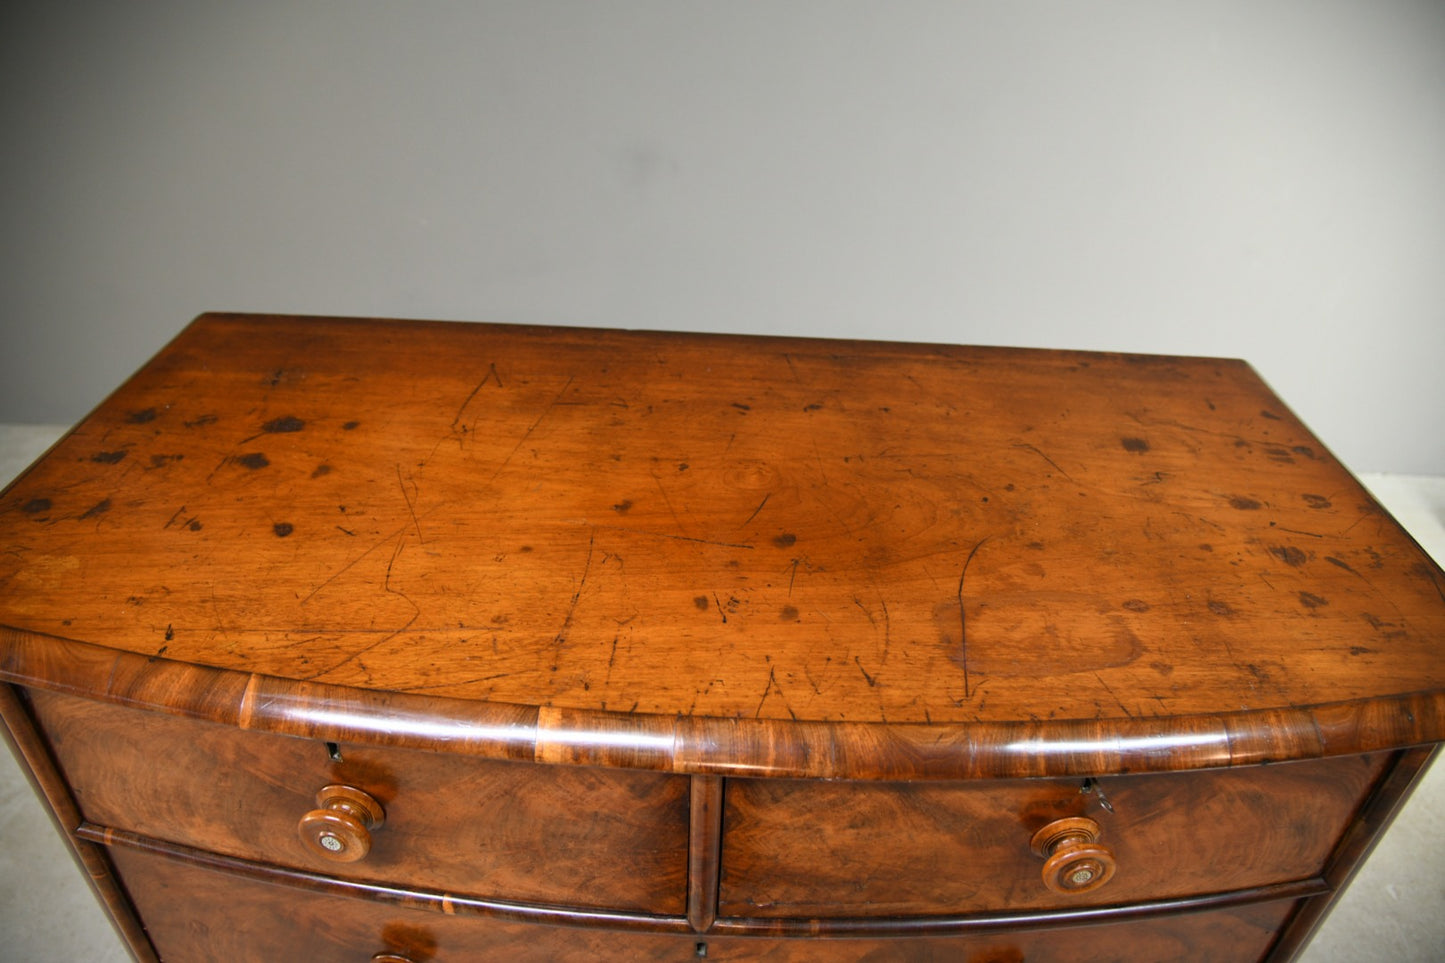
[390,958]
[340,828]
[1074,859]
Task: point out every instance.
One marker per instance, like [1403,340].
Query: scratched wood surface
[720,527]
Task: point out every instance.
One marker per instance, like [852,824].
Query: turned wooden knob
[339,829]
[1074,859]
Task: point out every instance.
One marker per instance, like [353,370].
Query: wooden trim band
[837,928]
[934,926]
[445,903]
[729,747]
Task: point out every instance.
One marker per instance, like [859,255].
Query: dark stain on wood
[99,508]
[1289,555]
[1279,455]
[283,425]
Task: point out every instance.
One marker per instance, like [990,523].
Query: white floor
[1394,912]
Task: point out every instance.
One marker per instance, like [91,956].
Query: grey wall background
[1259,180]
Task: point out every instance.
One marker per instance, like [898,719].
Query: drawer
[610,839]
[197,914]
[830,849]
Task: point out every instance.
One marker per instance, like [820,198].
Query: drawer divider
[704,851]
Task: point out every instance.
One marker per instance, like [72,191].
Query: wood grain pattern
[546,834]
[721,527]
[183,904]
[817,849]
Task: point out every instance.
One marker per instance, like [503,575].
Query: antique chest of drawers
[354,640]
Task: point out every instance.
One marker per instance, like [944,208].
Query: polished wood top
[742,538]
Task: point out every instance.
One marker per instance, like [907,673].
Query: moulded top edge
[737,747]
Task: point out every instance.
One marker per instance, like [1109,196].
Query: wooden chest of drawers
[362,640]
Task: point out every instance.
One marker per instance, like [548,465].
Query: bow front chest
[352,640]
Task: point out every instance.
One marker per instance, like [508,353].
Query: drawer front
[828,849]
[195,914]
[611,839]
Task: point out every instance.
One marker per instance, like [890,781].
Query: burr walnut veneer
[376,641]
